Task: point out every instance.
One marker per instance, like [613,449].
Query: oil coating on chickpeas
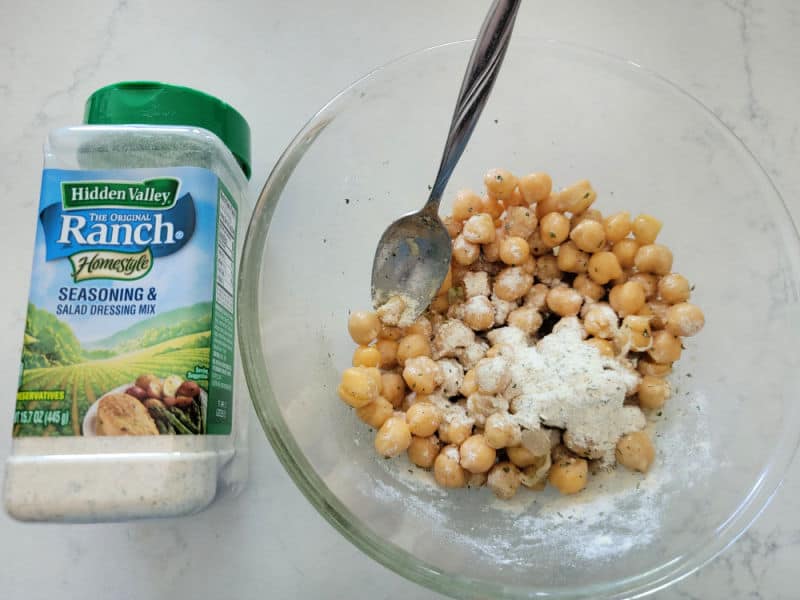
[528,258]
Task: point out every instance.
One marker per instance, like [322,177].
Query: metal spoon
[413,254]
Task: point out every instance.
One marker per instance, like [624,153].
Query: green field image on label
[174,343]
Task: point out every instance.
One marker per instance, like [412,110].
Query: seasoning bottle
[130,401]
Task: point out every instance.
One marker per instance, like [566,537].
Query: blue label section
[130,319]
[126,230]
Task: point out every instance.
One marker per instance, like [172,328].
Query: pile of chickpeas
[523,256]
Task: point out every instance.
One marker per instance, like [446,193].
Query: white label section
[226,226]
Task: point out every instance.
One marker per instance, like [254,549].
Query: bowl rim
[348,524]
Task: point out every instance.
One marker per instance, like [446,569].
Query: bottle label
[130,325]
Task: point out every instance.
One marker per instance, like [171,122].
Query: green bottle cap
[155,103]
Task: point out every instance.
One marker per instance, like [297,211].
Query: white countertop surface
[278,61]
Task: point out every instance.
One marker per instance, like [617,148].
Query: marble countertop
[278,61]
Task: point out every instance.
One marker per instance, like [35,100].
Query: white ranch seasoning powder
[563,382]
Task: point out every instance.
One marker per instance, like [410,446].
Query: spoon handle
[484,64]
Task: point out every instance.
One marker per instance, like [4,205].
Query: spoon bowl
[411,262]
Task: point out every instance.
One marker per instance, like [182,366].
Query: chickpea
[390,333]
[393,388]
[478,313]
[515,199]
[446,470]
[421,326]
[577,197]
[514,250]
[501,431]
[617,226]
[649,283]
[647,366]
[604,347]
[601,321]
[447,283]
[666,347]
[535,187]
[588,288]
[504,480]
[627,299]
[492,375]
[423,419]
[635,451]
[453,227]
[422,374]
[411,346]
[653,258]
[603,267]
[476,455]
[500,183]
[535,476]
[521,456]
[469,385]
[491,251]
[590,215]
[440,304]
[393,438]
[464,252]
[658,310]
[492,206]
[646,228]
[526,318]
[496,350]
[571,259]
[476,284]
[476,480]
[466,204]
[363,327]
[376,412]
[537,245]
[554,228]
[653,392]
[589,236]
[455,431]
[512,283]
[569,474]
[366,356]
[684,319]
[673,288]
[423,451]
[550,204]
[479,229]
[547,269]
[520,221]
[625,251]
[622,278]
[358,388]
[584,449]
[529,266]
[564,301]
[537,296]
[637,332]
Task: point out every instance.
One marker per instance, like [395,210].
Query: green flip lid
[155,103]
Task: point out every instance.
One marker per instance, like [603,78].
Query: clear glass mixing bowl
[725,438]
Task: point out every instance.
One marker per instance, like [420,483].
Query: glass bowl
[724,439]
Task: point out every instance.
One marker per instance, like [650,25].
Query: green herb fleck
[552,234]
